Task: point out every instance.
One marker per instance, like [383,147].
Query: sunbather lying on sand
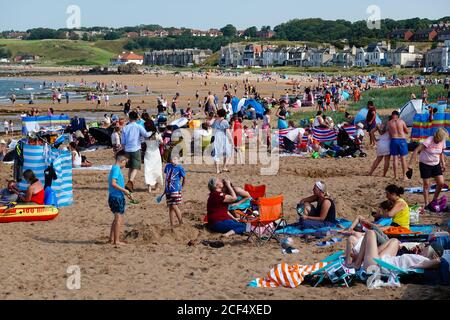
[428,257]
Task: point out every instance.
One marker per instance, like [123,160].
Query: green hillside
[66,52]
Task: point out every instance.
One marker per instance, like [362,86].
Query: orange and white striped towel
[288,276]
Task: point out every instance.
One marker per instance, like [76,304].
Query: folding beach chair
[334,271]
[270,216]
[394,271]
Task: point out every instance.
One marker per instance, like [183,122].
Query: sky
[205,14]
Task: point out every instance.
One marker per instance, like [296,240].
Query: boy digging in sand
[117,193]
[174,186]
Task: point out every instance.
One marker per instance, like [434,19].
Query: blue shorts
[227,226]
[399,147]
[117,205]
[313,224]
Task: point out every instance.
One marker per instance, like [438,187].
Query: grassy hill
[66,52]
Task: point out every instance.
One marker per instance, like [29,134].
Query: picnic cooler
[38,159]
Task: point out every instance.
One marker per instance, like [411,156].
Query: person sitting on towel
[35,193]
[293,139]
[8,195]
[322,216]
[78,161]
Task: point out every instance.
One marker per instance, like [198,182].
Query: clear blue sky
[204,14]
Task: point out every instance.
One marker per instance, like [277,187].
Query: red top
[237,134]
[217,208]
[39,198]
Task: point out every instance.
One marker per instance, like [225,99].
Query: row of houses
[212,33]
[377,54]
[431,34]
[177,58]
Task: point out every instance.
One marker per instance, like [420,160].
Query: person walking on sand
[222,146]
[383,150]
[116,199]
[6,125]
[132,135]
[152,160]
[399,146]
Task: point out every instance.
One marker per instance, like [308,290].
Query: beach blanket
[288,276]
[294,231]
[283,133]
[95,168]
[38,158]
[419,190]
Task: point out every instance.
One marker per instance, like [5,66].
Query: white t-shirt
[77,161]
[115,139]
[295,135]
[316,121]
[6,124]
[406,261]
[431,155]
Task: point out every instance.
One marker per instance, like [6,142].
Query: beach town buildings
[27,58]
[404,56]
[425,35]
[401,34]
[177,58]
[444,35]
[232,55]
[346,58]
[439,57]
[253,55]
[127,58]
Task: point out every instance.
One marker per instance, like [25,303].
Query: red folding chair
[256,192]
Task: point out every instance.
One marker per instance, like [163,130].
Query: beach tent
[38,159]
[409,111]
[235,104]
[423,128]
[362,116]
[35,124]
[255,104]
[241,104]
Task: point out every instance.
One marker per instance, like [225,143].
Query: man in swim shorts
[399,146]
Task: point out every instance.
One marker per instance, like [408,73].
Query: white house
[439,57]
[404,57]
[232,55]
[361,58]
[127,58]
[376,54]
[322,57]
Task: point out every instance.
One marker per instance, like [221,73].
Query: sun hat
[2,141]
[360,125]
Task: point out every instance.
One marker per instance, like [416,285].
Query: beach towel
[396,231]
[419,190]
[294,231]
[38,158]
[95,168]
[288,276]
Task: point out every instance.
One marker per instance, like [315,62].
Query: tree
[229,31]
[85,37]
[74,36]
[251,32]
[112,36]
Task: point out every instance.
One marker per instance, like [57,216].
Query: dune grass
[66,52]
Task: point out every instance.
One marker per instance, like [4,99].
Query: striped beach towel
[324,135]
[351,130]
[38,158]
[288,276]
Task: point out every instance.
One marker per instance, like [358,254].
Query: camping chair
[256,192]
[270,216]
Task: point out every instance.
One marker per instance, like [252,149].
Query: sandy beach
[158,263]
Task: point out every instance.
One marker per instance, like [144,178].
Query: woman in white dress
[383,150]
[152,160]
[222,145]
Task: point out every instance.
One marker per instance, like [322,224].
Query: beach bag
[439,206]
[50,197]
[414,215]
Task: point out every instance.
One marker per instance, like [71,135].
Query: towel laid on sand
[96,168]
[419,190]
[288,276]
